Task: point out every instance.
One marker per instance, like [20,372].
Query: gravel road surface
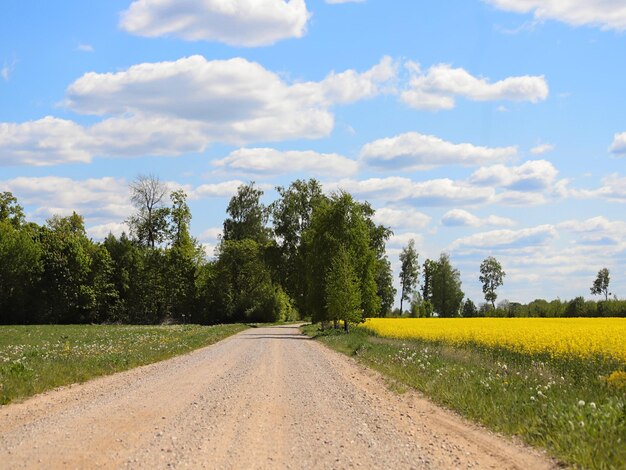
[264,398]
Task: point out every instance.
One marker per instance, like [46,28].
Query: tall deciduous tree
[291,216]
[601,284]
[343,294]
[339,223]
[149,224]
[446,288]
[492,277]
[409,272]
[247,216]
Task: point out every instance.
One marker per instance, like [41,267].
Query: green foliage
[384,281]
[338,223]
[446,288]
[247,216]
[149,224]
[343,293]
[564,406]
[10,210]
[469,309]
[491,276]
[38,358]
[409,271]
[601,284]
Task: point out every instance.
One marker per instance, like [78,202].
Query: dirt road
[265,398]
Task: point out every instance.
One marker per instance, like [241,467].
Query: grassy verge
[38,358]
[563,406]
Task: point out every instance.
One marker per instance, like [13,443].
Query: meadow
[559,384]
[37,358]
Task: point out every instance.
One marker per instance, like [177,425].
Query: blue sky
[476,127]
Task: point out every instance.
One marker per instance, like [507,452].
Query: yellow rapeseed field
[581,337]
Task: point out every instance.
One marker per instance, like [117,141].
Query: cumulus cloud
[100,232]
[46,141]
[247,23]
[613,188]
[507,239]
[404,218]
[618,147]
[541,148]
[436,192]
[608,14]
[183,106]
[271,161]
[532,175]
[437,88]
[418,151]
[463,218]
[85,48]
[222,189]
[97,199]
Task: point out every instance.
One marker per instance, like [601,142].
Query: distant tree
[491,276]
[469,309]
[427,279]
[149,223]
[247,216]
[601,284]
[386,291]
[10,210]
[343,294]
[447,295]
[409,271]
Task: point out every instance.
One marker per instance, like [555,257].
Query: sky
[475,127]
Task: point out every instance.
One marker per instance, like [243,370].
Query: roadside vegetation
[573,405]
[37,358]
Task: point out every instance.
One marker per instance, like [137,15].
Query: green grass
[38,358]
[563,406]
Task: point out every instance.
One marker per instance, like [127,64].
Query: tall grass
[568,406]
[38,358]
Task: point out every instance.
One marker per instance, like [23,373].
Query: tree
[409,271]
[427,281]
[339,222]
[343,295]
[247,216]
[149,224]
[446,288]
[291,216]
[601,284]
[491,275]
[386,291]
[10,210]
[469,309]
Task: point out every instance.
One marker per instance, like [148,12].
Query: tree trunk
[336,324]
[345,326]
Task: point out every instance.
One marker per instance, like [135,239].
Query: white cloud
[334,2]
[618,147]
[100,232]
[171,108]
[463,218]
[437,192]
[272,161]
[7,70]
[223,189]
[418,151]
[437,88]
[405,218]
[47,141]
[541,149]
[100,200]
[534,175]
[235,22]
[507,239]
[608,14]
[613,189]
[85,48]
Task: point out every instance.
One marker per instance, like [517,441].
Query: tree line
[440,293]
[305,255]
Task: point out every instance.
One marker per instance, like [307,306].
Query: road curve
[264,398]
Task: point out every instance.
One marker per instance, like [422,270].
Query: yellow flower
[558,337]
